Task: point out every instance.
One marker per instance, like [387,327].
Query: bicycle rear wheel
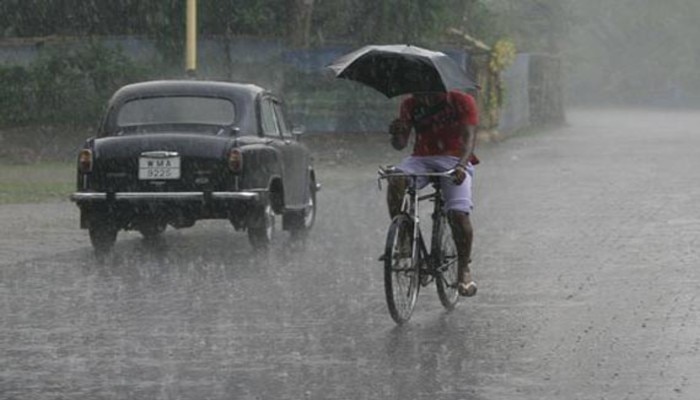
[401,273]
[447,270]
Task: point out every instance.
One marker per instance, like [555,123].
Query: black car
[174,152]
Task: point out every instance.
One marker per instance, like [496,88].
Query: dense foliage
[353,20]
[64,86]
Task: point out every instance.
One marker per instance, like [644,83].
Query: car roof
[185,87]
[243,95]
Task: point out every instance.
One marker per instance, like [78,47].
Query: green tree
[534,25]
[386,21]
[300,18]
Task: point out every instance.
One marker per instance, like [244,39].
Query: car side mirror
[298,130]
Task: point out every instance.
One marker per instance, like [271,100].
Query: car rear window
[177,110]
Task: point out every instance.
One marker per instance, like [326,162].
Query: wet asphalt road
[586,256]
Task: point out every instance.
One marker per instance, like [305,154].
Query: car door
[295,157]
[299,158]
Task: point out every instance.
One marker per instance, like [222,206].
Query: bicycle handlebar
[389,172]
[385,173]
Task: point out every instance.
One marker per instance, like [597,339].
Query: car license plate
[151,168]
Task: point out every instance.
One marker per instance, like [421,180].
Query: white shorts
[456,197]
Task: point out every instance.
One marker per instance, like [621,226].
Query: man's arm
[470,122]
[469,141]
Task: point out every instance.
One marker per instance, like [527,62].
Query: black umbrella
[400,69]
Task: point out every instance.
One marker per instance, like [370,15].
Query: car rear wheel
[261,228]
[102,238]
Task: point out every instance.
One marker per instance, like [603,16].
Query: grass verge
[37,182]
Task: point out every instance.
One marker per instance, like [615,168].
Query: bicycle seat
[388,170]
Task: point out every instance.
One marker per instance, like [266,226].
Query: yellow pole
[191,53]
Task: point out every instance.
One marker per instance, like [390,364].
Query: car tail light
[235,160]
[85,160]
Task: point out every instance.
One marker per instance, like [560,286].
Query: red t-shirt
[439,127]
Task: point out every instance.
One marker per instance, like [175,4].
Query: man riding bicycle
[445,136]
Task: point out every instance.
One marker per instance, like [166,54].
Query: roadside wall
[546,90]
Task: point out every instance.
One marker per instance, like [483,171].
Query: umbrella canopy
[401,69]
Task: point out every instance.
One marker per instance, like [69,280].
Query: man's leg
[397,184]
[394,195]
[458,202]
[397,188]
[463,235]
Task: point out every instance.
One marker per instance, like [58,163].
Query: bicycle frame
[410,206]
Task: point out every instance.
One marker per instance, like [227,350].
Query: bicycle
[407,263]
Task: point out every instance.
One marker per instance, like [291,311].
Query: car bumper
[135,197]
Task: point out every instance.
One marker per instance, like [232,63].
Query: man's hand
[399,131]
[460,174]
[399,127]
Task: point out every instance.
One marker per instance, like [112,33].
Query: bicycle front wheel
[447,268]
[401,269]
